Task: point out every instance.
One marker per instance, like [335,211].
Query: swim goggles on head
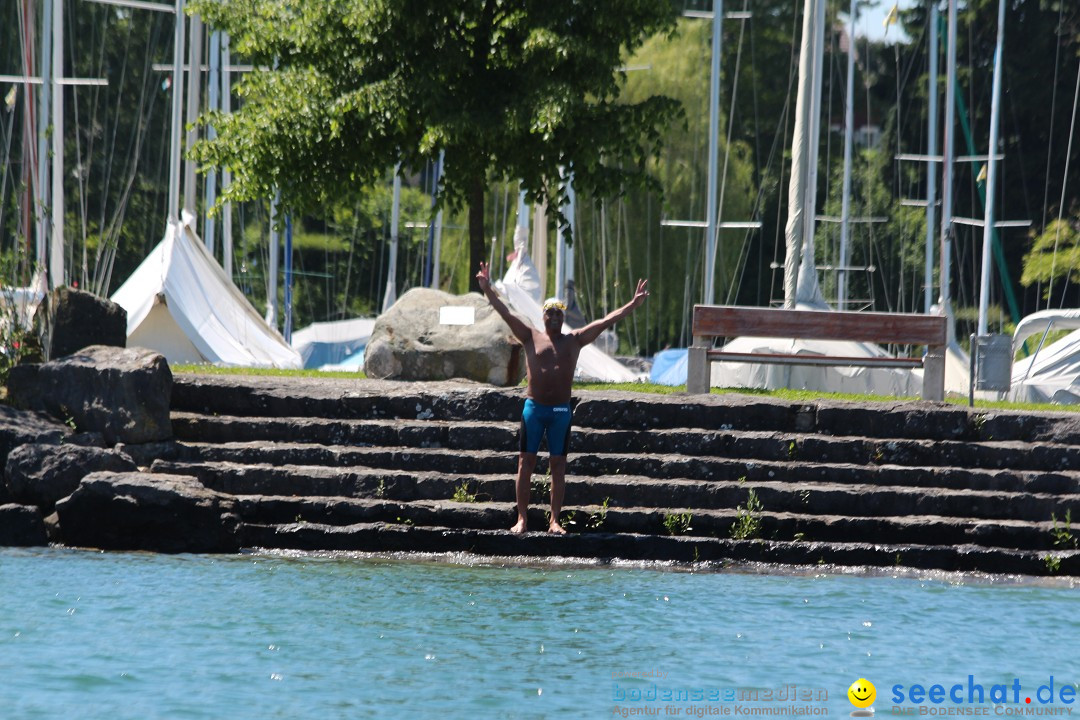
[554,304]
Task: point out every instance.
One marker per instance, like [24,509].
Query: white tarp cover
[841,379]
[330,343]
[1052,374]
[180,303]
[521,287]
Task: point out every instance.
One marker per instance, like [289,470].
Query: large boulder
[41,475]
[122,393]
[409,342]
[18,427]
[21,526]
[70,319]
[143,511]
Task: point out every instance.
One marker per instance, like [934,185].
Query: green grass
[266,372]
[651,388]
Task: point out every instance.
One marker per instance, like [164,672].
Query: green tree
[510,88]
[1054,255]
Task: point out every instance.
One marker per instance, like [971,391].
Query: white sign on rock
[457,315]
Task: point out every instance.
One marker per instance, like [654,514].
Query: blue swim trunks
[536,419]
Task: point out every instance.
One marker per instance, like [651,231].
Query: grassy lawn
[783,394]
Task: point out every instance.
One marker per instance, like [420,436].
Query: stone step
[924,530]
[758,445]
[337,398]
[775,493]
[382,537]
[648,465]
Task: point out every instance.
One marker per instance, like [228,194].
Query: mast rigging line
[1050,132]
[1061,204]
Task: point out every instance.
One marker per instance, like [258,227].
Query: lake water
[119,635]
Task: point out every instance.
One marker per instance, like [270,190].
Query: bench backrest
[894,328]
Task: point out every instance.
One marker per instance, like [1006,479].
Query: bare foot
[555,528]
[520,526]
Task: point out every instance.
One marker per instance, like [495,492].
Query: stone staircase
[321,464]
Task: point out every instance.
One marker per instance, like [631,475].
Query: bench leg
[697,370]
[934,374]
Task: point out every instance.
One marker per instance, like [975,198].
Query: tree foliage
[515,89]
[1054,255]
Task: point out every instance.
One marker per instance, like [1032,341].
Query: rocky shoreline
[383,466]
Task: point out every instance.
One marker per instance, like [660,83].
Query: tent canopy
[180,303]
[331,343]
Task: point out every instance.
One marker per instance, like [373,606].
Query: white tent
[1052,372]
[331,343]
[180,303]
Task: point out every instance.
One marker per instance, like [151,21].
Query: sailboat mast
[436,254]
[272,265]
[194,76]
[226,174]
[809,291]
[849,131]
[390,295]
[56,244]
[42,130]
[708,296]
[947,176]
[177,111]
[213,90]
[991,175]
[793,229]
[931,175]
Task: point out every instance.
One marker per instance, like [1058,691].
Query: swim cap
[555,303]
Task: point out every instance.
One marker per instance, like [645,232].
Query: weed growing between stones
[747,525]
[1053,564]
[462,494]
[596,520]
[539,486]
[678,523]
[1063,537]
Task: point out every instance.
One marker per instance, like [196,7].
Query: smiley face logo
[862,693]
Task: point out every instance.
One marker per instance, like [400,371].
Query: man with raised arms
[550,359]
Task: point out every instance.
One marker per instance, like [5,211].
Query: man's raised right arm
[521,331]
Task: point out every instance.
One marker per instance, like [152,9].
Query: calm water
[92,635]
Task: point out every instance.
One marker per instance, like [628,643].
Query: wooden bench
[724,321]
